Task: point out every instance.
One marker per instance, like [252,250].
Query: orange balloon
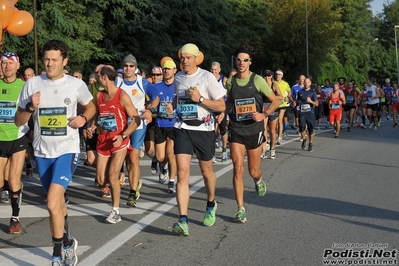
[164,59]
[21,23]
[199,59]
[6,12]
[1,34]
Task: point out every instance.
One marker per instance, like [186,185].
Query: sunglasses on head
[242,59]
[129,66]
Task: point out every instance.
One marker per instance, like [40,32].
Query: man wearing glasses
[137,88]
[156,75]
[245,94]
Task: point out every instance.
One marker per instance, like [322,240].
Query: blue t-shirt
[166,94]
[303,104]
[295,89]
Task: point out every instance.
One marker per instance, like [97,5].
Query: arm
[23,115]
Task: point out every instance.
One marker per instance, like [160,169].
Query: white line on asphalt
[30,256]
[96,257]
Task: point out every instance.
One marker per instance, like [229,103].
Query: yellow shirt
[285,91]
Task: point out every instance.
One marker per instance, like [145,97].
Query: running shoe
[317,128]
[371,125]
[4,196]
[279,140]
[224,156]
[214,160]
[163,175]
[285,133]
[131,200]
[363,126]
[303,145]
[70,256]
[395,125]
[106,192]
[180,227]
[15,226]
[122,179]
[310,147]
[154,167]
[113,217]
[336,135]
[349,129]
[56,261]
[241,216]
[260,188]
[171,187]
[388,117]
[272,154]
[375,128]
[379,123]
[139,185]
[210,215]
[263,155]
[28,174]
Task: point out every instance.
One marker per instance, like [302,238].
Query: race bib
[245,108]
[162,111]
[107,123]
[305,108]
[335,106]
[369,94]
[7,112]
[349,99]
[53,121]
[394,99]
[187,109]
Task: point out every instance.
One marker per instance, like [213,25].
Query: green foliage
[344,39]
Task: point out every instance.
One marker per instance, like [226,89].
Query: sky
[377,5]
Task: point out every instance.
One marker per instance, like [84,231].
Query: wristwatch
[124,136]
[201,99]
[153,110]
[28,106]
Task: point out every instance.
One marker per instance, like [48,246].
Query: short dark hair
[109,71]
[245,49]
[56,45]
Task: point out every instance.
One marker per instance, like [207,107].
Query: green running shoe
[241,216]
[210,215]
[180,228]
[131,200]
[261,188]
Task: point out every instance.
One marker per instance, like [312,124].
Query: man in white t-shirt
[197,93]
[51,100]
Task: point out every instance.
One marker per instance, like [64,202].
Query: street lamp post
[396,49]
[307,38]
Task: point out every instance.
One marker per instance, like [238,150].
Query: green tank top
[9,93]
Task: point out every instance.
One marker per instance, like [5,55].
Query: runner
[52,101]
[305,103]
[336,99]
[245,94]
[114,107]
[198,92]
[13,139]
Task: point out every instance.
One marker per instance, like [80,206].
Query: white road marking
[31,256]
[96,257]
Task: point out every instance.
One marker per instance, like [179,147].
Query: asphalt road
[342,197]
